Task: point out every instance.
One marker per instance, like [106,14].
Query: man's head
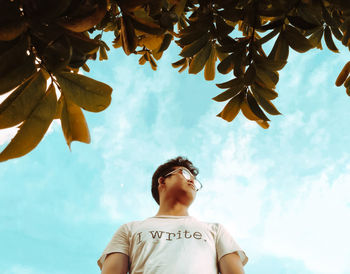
[159,176]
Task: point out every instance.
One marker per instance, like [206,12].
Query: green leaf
[267,78]
[219,53]
[296,40]
[309,14]
[73,123]
[226,65]
[179,63]
[85,92]
[348,91]
[179,7]
[231,92]
[280,50]
[45,9]
[336,32]
[13,54]
[103,54]
[12,23]
[232,83]
[12,30]
[269,94]
[57,55]
[249,75]
[21,102]
[329,40]
[328,18]
[269,64]
[12,78]
[209,70]
[191,49]
[271,25]
[33,129]
[266,104]
[166,42]
[247,112]
[239,58]
[128,36]
[232,108]
[200,59]
[82,43]
[232,14]
[300,23]
[146,26]
[268,36]
[189,38]
[316,37]
[255,107]
[84,16]
[222,28]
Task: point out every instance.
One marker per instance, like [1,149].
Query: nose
[191,180]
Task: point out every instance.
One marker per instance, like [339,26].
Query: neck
[176,209]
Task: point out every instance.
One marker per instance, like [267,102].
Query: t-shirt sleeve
[118,243]
[225,244]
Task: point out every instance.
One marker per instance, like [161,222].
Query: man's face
[176,186]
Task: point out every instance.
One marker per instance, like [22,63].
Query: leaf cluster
[46,40]
[42,46]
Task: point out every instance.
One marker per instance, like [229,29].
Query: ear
[161,181]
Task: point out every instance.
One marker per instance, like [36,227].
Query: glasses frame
[195,180]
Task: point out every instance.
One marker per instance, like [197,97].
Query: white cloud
[313,225]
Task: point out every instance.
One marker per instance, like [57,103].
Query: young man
[172,242]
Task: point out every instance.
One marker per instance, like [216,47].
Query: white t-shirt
[172,245]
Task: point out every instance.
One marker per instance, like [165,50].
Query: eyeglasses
[188,176]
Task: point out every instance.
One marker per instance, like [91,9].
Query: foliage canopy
[44,43]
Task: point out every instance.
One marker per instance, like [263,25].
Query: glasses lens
[186,174]
[197,185]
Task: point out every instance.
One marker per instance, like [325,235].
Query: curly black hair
[168,167]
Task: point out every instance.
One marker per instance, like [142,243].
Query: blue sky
[283,193]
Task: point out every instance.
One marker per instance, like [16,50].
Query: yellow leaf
[179,6]
[280,50]
[85,92]
[12,30]
[191,49]
[33,129]
[16,76]
[263,124]
[296,40]
[343,75]
[232,108]
[229,93]
[329,40]
[221,55]
[266,78]
[200,59]
[209,70]
[103,54]
[73,122]
[84,23]
[128,36]
[247,112]
[18,106]
[179,63]
[316,37]
[152,42]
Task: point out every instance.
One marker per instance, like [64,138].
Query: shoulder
[132,225]
[213,227]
